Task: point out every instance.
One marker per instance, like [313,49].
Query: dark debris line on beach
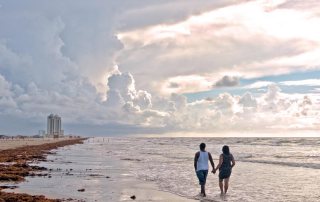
[14,167]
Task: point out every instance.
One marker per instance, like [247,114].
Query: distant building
[54,126]
[42,133]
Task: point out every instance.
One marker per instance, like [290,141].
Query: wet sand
[103,177]
[15,156]
[148,191]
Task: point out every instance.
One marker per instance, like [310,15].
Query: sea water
[267,169]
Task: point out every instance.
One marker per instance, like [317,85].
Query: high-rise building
[54,126]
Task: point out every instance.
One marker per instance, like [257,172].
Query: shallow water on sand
[267,169]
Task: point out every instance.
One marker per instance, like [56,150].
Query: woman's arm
[220,162]
[233,162]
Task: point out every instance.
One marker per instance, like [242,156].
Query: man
[201,166]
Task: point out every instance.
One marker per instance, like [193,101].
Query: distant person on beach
[201,166]
[226,163]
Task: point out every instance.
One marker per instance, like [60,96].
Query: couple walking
[226,162]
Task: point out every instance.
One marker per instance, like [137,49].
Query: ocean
[267,169]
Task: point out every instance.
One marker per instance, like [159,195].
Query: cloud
[185,84]
[6,100]
[129,107]
[149,13]
[60,58]
[230,38]
[316,90]
[228,81]
[306,82]
[122,91]
[248,101]
[173,85]
[4,87]
[259,84]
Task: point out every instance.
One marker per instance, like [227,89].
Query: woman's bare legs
[226,185]
[221,185]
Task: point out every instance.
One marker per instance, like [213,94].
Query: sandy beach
[116,169]
[15,156]
[147,191]
[12,143]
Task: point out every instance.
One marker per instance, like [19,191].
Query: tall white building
[54,126]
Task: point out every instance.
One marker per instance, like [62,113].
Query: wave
[290,164]
[277,141]
[298,156]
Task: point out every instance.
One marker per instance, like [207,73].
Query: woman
[226,163]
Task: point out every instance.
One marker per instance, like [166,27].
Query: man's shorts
[202,176]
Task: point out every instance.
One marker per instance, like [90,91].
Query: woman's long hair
[225,150]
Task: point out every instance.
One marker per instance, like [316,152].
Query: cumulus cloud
[126,105]
[269,111]
[122,90]
[59,58]
[130,105]
[248,101]
[6,100]
[305,106]
[4,87]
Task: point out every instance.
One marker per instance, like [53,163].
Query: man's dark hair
[225,150]
[202,146]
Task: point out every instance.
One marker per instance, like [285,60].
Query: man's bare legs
[203,190]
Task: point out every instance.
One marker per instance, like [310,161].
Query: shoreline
[14,143]
[14,165]
[118,182]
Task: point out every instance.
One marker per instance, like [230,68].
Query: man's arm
[196,156]
[211,162]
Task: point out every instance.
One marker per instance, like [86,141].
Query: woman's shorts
[225,173]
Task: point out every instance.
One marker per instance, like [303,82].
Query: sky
[160,67]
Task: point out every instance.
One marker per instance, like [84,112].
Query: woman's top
[226,164]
